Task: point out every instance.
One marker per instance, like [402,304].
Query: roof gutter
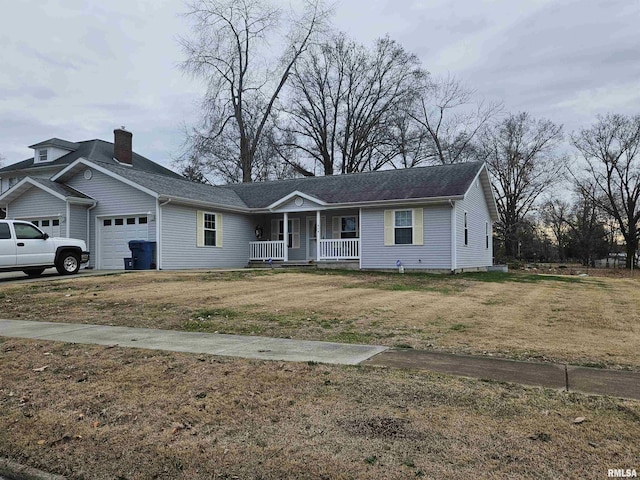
[196,203]
[377,203]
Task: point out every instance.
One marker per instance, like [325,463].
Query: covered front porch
[320,236]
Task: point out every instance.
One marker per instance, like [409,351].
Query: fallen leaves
[579,420]
[41,369]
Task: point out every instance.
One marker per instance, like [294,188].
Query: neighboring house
[430,218]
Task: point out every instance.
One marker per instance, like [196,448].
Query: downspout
[68,220]
[95,204]
[454,249]
[159,232]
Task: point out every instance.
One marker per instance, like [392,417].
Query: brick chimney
[122,150]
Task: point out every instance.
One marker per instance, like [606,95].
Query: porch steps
[281,264]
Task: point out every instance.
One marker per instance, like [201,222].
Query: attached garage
[51,226]
[114,234]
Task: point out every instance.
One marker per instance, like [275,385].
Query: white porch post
[285,230]
[318,234]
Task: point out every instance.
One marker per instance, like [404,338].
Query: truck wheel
[68,263]
[34,272]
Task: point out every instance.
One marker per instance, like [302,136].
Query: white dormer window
[42,155]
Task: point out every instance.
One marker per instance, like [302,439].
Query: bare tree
[230,49]
[555,214]
[521,158]
[344,101]
[452,119]
[611,150]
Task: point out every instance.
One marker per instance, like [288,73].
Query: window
[45,223]
[466,230]
[277,231]
[486,235]
[348,227]
[403,227]
[290,233]
[107,223]
[13,181]
[210,229]
[42,155]
[131,221]
[119,221]
[25,231]
[55,223]
[5,233]
[142,220]
[35,222]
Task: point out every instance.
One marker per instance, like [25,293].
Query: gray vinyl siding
[434,254]
[114,198]
[37,203]
[291,206]
[78,222]
[179,236]
[475,254]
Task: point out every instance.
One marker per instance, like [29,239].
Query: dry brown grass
[582,320]
[115,413]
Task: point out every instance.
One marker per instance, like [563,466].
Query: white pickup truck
[24,247]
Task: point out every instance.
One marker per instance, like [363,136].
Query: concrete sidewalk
[615,383]
[587,380]
[263,348]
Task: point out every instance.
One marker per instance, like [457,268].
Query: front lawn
[92,412]
[581,320]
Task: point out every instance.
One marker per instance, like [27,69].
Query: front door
[312,241]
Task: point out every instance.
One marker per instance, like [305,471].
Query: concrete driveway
[49,274]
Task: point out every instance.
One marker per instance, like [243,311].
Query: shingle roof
[94,150]
[56,142]
[61,188]
[404,184]
[177,187]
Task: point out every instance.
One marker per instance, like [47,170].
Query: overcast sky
[76,69]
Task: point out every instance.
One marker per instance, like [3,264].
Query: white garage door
[48,225]
[115,234]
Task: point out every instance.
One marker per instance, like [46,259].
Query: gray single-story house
[436,218]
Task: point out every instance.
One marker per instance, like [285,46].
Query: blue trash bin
[142,253]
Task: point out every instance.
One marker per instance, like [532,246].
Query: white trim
[493,206]
[454,252]
[98,219]
[297,193]
[413,224]
[360,234]
[317,220]
[465,226]
[285,235]
[95,204]
[85,162]
[33,183]
[201,205]
[399,203]
[216,221]
[158,235]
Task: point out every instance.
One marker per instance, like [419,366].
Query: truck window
[25,231]
[5,233]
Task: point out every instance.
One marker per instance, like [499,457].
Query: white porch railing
[273,250]
[340,249]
